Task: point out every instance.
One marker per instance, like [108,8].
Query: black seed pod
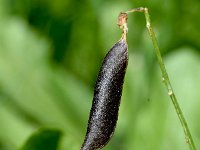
[107,95]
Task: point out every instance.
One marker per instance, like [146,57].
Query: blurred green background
[50,54]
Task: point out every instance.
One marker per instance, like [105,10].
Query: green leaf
[44,139]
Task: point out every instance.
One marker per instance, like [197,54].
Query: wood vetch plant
[109,84]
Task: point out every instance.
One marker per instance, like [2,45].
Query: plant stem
[165,77]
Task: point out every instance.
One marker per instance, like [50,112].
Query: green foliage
[43,139]
[50,54]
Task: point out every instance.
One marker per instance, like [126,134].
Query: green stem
[165,77]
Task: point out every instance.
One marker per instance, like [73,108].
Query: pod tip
[122,23]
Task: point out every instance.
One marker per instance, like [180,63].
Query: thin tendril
[165,77]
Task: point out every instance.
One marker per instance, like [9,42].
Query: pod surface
[107,95]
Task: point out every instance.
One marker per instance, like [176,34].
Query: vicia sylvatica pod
[107,94]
